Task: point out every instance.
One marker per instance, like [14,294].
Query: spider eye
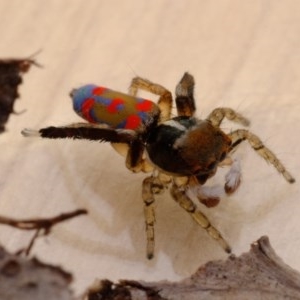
[223,155]
[212,165]
[196,170]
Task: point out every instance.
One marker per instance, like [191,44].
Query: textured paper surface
[243,54]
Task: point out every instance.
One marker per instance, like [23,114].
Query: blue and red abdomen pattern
[101,105]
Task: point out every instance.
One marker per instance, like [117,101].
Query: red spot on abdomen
[86,107]
[145,105]
[113,106]
[132,122]
[99,90]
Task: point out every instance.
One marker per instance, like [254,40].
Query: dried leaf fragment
[25,279]
[11,71]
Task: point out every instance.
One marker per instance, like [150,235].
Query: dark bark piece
[11,71]
[257,274]
[25,279]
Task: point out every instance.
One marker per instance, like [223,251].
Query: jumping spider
[181,152]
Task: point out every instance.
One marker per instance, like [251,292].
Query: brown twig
[39,224]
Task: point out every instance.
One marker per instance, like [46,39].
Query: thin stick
[39,224]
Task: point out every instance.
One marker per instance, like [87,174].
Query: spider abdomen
[101,105]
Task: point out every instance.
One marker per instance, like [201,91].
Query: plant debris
[257,274]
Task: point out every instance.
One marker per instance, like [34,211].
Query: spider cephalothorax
[186,146]
[181,152]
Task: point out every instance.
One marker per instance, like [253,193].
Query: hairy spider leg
[180,196]
[94,132]
[165,97]
[233,177]
[165,105]
[152,185]
[155,184]
[85,131]
[134,157]
[241,135]
[218,114]
[185,102]
[148,190]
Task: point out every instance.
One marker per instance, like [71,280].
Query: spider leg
[84,131]
[124,141]
[185,101]
[180,196]
[151,185]
[165,96]
[241,135]
[217,115]
[134,157]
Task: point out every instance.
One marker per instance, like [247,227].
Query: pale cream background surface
[243,54]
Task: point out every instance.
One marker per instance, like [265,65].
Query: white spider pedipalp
[233,177]
[30,132]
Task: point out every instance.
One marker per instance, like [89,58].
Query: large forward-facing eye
[222,157]
[211,165]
